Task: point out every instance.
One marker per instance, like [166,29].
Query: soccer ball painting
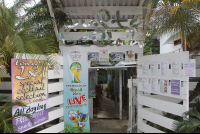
[72,113]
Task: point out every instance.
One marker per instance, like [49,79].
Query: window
[177,42]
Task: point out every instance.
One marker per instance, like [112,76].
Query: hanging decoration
[88,25]
[119,21]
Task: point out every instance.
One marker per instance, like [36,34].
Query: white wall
[169,46]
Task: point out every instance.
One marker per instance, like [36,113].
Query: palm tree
[178,17]
[6,125]
[31,33]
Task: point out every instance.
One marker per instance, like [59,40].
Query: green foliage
[191,124]
[6,117]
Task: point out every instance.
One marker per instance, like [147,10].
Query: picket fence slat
[51,74]
[5,86]
[162,105]
[147,129]
[155,118]
[55,87]
[56,100]
[54,113]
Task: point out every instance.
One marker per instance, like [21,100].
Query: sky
[11,2]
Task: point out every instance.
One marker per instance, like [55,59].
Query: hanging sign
[117,56]
[189,68]
[130,56]
[30,86]
[103,55]
[76,114]
[92,84]
[175,87]
[92,56]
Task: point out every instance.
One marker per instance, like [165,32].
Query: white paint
[165,102]
[168,47]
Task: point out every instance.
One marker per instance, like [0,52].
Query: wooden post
[120,94]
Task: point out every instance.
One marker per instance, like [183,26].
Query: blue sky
[11,2]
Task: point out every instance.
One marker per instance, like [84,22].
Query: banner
[76,114]
[130,56]
[92,84]
[30,86]
[103,55]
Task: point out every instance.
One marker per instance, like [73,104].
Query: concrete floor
[107,120]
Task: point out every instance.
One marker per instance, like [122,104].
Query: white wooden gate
[151,105]
[55,88]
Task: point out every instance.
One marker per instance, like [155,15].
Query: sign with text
[103,55]
[117,56]
[76,114]
[175,87]
[93,56]
[130,56]
[189,67]
[30,86]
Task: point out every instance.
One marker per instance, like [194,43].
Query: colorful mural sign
[103,55]
[76,114]
[130,56]
[30,86]
[92,84]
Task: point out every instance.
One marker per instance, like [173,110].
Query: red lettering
[83,97]
[69,102]
[78,101]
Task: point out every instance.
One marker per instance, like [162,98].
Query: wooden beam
[125,10]
[115,35]
[109,23]
[141,2]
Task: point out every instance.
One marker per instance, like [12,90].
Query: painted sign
[92,84]
[189,67]
[30,86]
[175,87]
[117,56]
[103,55]
[92,56]
[130,56]
[76,114]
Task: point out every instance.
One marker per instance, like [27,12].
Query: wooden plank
[115,35]
[197,72]
[5,86]
[165,106]
[54,113]
[54,129]
[127,10]
[55,87]
[56,100]
[147,129]
[52,76]
[155,118]
[94,48]
[109,24]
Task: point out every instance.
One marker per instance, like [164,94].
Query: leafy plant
[6,117]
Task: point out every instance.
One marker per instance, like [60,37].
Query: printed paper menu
[164,68]
[145,68]
[145,83]
[154,84]
[164,86]
[176,68]
[189,67]
[154,68]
